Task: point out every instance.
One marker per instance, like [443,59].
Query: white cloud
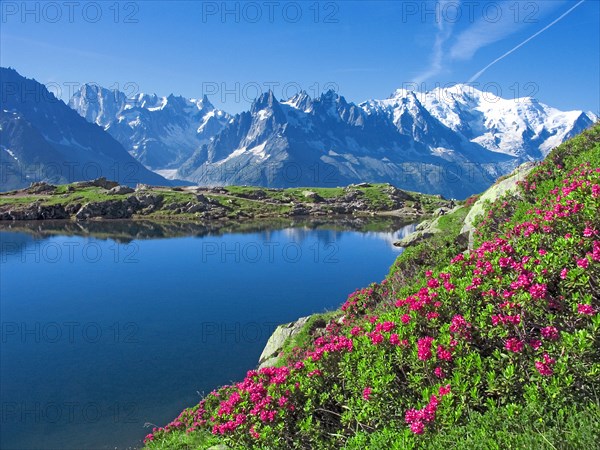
[444,32]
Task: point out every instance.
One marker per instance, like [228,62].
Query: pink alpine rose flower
[586,310]
[514,345]
[367,393]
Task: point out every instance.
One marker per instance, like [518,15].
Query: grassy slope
[412,264]
[515,426]
[498,399]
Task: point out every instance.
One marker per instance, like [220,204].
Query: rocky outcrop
[426,229]
[36,212]
[504,186]
[110,209]
[98,182]
[429,228]
[41,187]
[120,209]
[312,196]
[120,190]
[109,200]
[282,333]
[147,200]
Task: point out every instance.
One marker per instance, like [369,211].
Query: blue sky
[233,50]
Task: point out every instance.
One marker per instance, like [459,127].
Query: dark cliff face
[44,139]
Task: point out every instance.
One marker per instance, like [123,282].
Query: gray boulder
[142,187]
[146,200]
[351,195]
[98,182]
[413,238]
[506,186]
[52,212]
[41,187]
[35,211]
[424,230]
[198,207]
[112,209]
[282,333]
[299,210]
[120,190]
[312,196]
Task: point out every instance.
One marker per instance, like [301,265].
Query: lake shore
[106,200]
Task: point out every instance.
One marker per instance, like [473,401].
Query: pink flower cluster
[424,348]
[395,340]
[329,344]
[514,345]
[418,418]
[550,333]
[544,367]
[538,291]
[444,354]
[460,327]
[358,302]
[424,297]
[587,310]
[503,319]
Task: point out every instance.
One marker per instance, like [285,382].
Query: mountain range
[453,141]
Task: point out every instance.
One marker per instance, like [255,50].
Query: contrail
[478,74]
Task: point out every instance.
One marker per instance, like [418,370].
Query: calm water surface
[102,335]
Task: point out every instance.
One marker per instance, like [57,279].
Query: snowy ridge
[160,132]
[521,127]
[453,141]
[412,139]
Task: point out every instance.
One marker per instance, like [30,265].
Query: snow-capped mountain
[455,141]
[160,132]
[520,127]
[42,139]
[411,118]
[327,141]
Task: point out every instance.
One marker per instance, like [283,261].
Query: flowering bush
[515,321]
